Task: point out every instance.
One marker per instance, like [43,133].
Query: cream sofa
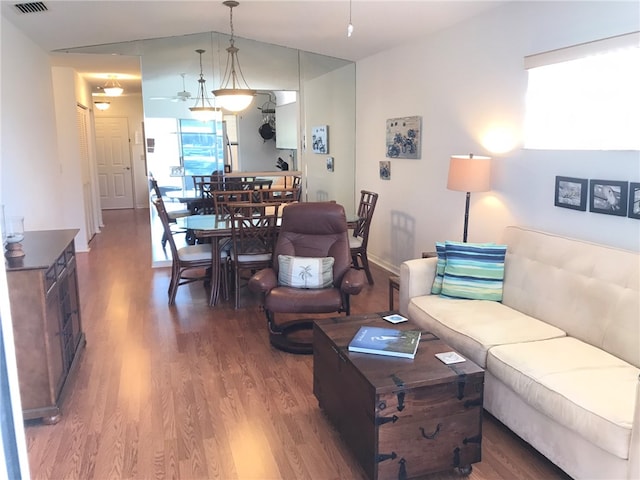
[561,351]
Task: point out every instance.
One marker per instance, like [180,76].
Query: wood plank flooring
[193,392]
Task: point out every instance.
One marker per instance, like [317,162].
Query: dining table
[217,228]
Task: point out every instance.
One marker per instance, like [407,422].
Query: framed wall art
[385,170]
[571,193]
[320,139]
[634,200]
[609,197]
[330,164]
[403,137]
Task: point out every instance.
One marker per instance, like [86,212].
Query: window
[585,97]
[202,146]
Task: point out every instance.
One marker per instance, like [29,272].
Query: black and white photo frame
[320,139]
[571,193]
[634,200]
[609,197]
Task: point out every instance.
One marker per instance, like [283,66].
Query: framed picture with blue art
[385,170]
[571,193]
[609,197]
[403,137]
[634,200]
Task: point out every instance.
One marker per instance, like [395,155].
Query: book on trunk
[386,341]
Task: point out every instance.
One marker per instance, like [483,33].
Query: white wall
[33,181]
[328,100]
[73,213]
[466,82]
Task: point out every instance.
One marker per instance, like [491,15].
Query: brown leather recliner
[315,229]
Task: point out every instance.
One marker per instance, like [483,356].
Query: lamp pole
[466,217]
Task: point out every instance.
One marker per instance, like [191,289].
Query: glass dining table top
[221,224]
[205,222]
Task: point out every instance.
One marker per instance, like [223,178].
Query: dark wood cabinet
[47,328]
[401,418]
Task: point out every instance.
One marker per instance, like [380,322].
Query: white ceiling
[314,26]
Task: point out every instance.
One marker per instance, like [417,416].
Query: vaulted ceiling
[314,26]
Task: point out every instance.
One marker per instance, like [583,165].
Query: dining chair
[189,258]
[172,214]
[359,239]
[225,201]
[253,235]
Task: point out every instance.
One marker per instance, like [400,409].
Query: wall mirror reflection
[294,91]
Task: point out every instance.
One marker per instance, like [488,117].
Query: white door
[114,163]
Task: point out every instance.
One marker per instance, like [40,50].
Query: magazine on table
[386,341]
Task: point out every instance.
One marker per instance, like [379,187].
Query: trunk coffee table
[401,418]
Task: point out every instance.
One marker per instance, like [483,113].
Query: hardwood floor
[193,392]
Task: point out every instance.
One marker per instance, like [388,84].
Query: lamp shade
[102,105]
[234,99]
[113,91]
[469,173]
[206,114]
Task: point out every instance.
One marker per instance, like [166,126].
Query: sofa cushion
[305,272]
[436,288]
[580,386]
[474,326]
[473,271]
[590,291]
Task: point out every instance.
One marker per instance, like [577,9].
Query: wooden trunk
[401,418]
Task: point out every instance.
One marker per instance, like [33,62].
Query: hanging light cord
[201,81]
[231,75]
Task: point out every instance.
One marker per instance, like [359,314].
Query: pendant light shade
[102,105]
[113,88]
[234,93]
[202,110]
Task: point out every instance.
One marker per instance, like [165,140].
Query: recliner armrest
[263,281]
[353,281]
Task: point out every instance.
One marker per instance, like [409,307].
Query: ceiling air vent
[31,7]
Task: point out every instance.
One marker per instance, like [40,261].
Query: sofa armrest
[416,279]
[634,447]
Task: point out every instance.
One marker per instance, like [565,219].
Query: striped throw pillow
[473,271]
[436,288]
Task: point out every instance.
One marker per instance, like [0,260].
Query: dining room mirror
[297,91]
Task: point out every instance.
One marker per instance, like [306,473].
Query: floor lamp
[469,173]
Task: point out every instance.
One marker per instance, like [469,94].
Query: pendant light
[113,88]
[234,93]
[102,105]
[202,110]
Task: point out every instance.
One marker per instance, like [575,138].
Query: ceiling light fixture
[113,88]
[233,95]
[202,110]
[350,26]
[102,105]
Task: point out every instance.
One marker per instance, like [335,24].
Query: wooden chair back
[366,208]
[254,231]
